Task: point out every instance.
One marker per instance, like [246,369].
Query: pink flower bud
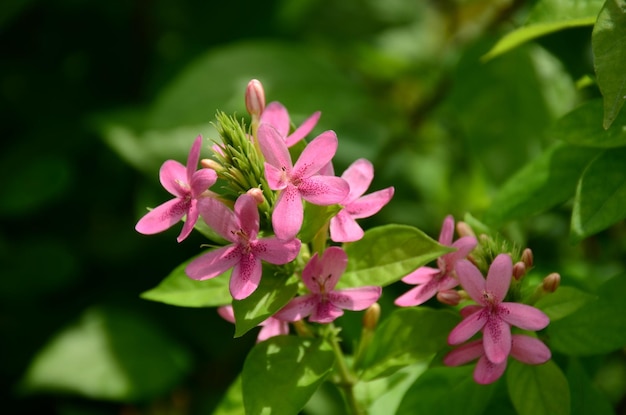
[527,258]
[211,164]
[255,98]
[257,194]
[551,282]
[371,317]
[519,270]
[449,297]
[463,229]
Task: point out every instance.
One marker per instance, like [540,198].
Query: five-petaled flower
[187,185]
[300,181]
[359,175]
[244,255]
[276,115]
[432,280]
[324,304]
[491,314]
[524,348]
[269,328]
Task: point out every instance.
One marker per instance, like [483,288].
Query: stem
[346,379]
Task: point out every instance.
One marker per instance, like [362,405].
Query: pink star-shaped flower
[269,328]
[526,349]
[244,255]
[300,181]
[276,115]
[432,280]
[491,314]
[187,185]
[359,175]
[324,304]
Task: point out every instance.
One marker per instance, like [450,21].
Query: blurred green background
[96,95]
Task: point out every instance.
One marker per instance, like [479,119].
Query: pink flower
[187,185]
[269,328]
[300,181]
[343,226]
[244,255]
[276,115]
[324,304]
[432,280]
[526,349]
[492,315]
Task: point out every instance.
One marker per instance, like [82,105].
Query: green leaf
[387,253]
[601,194]
[109,354]
[586,399]
[280,374]
[563,302]
[407,336]
[178,289]
[547,181]
[445,391]
[548,16]
[583,127]
[232,401]
[315,219]
[538,389]
[274,291]
[609,53]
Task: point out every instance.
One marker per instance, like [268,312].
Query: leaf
[180,290]
[609,53]
[109,354]
[582,127]
[274,291]
[407,336]
[444,391]
[387,253]
[563,302]
[543,183]
[538,389]
[232,401]
[282,373]
[548,16]
[601,195]
[315,219]
[586,399]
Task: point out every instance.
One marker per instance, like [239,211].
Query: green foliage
[280,374]
[586,398]
[538,390]
[563,302]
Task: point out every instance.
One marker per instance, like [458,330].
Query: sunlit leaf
[538,389]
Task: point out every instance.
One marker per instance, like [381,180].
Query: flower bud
[211,164]
[519,270]
[463,229]
[257,194]
[371,317]
[551,282]
[449,297]
[527,258]
[255,98]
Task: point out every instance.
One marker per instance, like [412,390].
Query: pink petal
[359,176]
[497,339]
[276,251]
[298,308]
[421,275]
[276,177]
[173,177]
[227,313]
[323,190]
[325,312]
[288,213]
[499,276]
[247,214]
[469,310]
[524,316]
[418,295]
[344,229]
[464,353]
[190,221]
[370,204]
[201,181]
[276,115]
[218,217]
[487,372]
[316,155]
[193,158]
[272,327]
[162,217]
[273,147]
[463,246]
[529,350]
[311,274]
[328,169]
[355,299]
[467,328]
[447,231]
[471,280]
[213,263]
[246,276]
[305,128]
[332,266]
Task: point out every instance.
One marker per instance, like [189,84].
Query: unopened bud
[371,317]
[519,270]
[527,258]
[463,229]
[255,98]
[257,194]
[551,282]
[449,297]
[211,164]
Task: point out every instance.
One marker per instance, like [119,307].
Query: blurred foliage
[96,95]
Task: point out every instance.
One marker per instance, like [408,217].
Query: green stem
[346,379]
